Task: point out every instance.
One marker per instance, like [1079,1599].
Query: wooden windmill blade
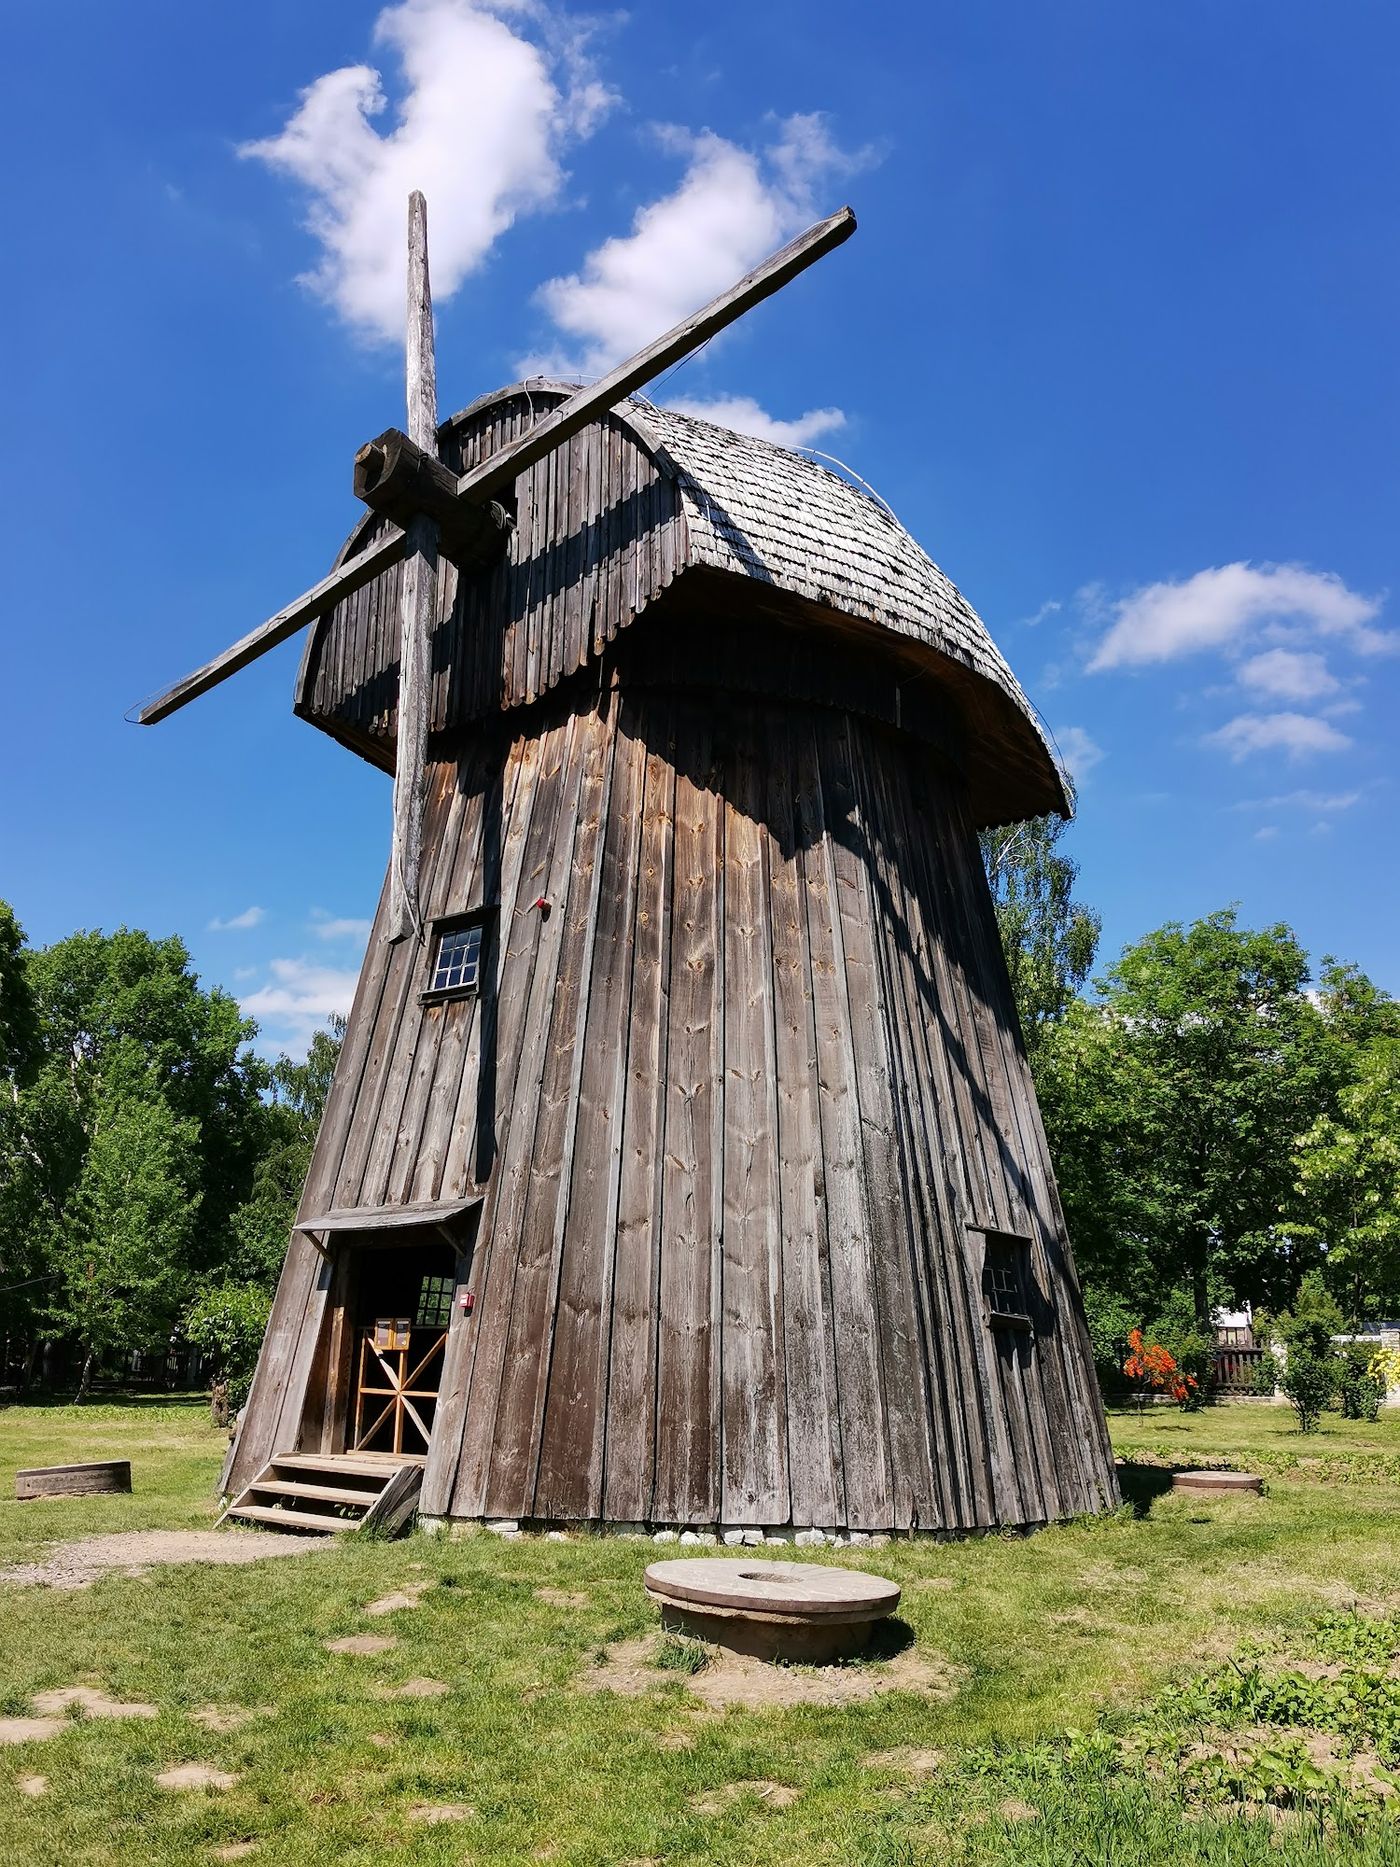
[475,489]
[417,592]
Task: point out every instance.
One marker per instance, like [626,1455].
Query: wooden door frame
[328,1415]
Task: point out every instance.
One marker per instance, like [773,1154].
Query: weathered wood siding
[736,1105]
[599,534]
[645,504]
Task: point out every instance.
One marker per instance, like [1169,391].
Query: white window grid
[457,961]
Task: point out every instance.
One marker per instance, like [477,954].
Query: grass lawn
[1042,1636]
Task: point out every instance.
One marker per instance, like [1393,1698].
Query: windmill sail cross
[494,475]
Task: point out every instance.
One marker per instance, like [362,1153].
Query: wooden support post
[418,597]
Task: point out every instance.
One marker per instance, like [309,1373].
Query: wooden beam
[495,475]
[314,603]
[500,471]
[417,598]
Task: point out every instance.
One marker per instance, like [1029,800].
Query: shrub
[1384,1366]
[1190,1346]
[1313,1320]
[227,1321]
[1153,1369]
[1358,1389]
[1264,1380]
[1310,1381]
[1110,1320]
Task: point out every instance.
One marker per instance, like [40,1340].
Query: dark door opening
[403,1307]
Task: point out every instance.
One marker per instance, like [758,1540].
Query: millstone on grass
[809,1612]
[1213,1483]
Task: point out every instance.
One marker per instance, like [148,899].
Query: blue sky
[1116,340]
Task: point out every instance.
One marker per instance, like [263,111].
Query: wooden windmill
[682,1166]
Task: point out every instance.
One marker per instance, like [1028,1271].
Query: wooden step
[387,1499]
[346,1463]
[321,1494]
[292,1519]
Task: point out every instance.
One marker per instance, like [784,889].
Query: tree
[1348,1184]
[135,1134]
[1049,938]
[124,1249]
[1173,1105]
[24,1272]
[260,1226]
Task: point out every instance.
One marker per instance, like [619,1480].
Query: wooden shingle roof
[762,511]
[640,509]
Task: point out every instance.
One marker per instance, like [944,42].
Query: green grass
[1051,1633]
[175,1457]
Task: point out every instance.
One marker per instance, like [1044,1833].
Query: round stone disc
[1216,1481]
[806,1590]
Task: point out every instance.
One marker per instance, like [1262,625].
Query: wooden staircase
[326,1493]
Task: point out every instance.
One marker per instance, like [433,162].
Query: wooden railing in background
[1234,1369]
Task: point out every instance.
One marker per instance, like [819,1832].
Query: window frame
[1020,1249]
[484,918]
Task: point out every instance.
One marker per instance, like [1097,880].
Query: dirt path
[134,1552]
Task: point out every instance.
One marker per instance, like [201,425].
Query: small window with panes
[1006,1280]
[434,1303]
[458,954]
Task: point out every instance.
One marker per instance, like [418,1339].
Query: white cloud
[1046,609]
[746,416]
[1325,803]
[1297,734]
[331,927]
[236,922]
[1266,833]
[1219,608]
[298,998]
[1288,674]
[484,116]
[1079,752]
[731,208]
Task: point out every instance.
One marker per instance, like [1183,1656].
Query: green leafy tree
[1049,938]
[1348,1184]
[140,1124]
[227,1321]
[260,1226]
[1173,1105]
[123,1251]
[25,1273]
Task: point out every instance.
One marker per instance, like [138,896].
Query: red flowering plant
[1154,1370]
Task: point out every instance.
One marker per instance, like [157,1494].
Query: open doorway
[402,1309]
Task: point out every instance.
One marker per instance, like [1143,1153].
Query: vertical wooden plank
[814,1448]
[505,860]
[754,1426]
[498,1431]
[686,1485]
[445,1026]
[631,1397]
[905,1397]
[1071,1430]
[857,1339]
[981,1201]
[542,1182]
[374,1119]
[528,958]
[954,1297]
[446,1163]
[570,1481]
